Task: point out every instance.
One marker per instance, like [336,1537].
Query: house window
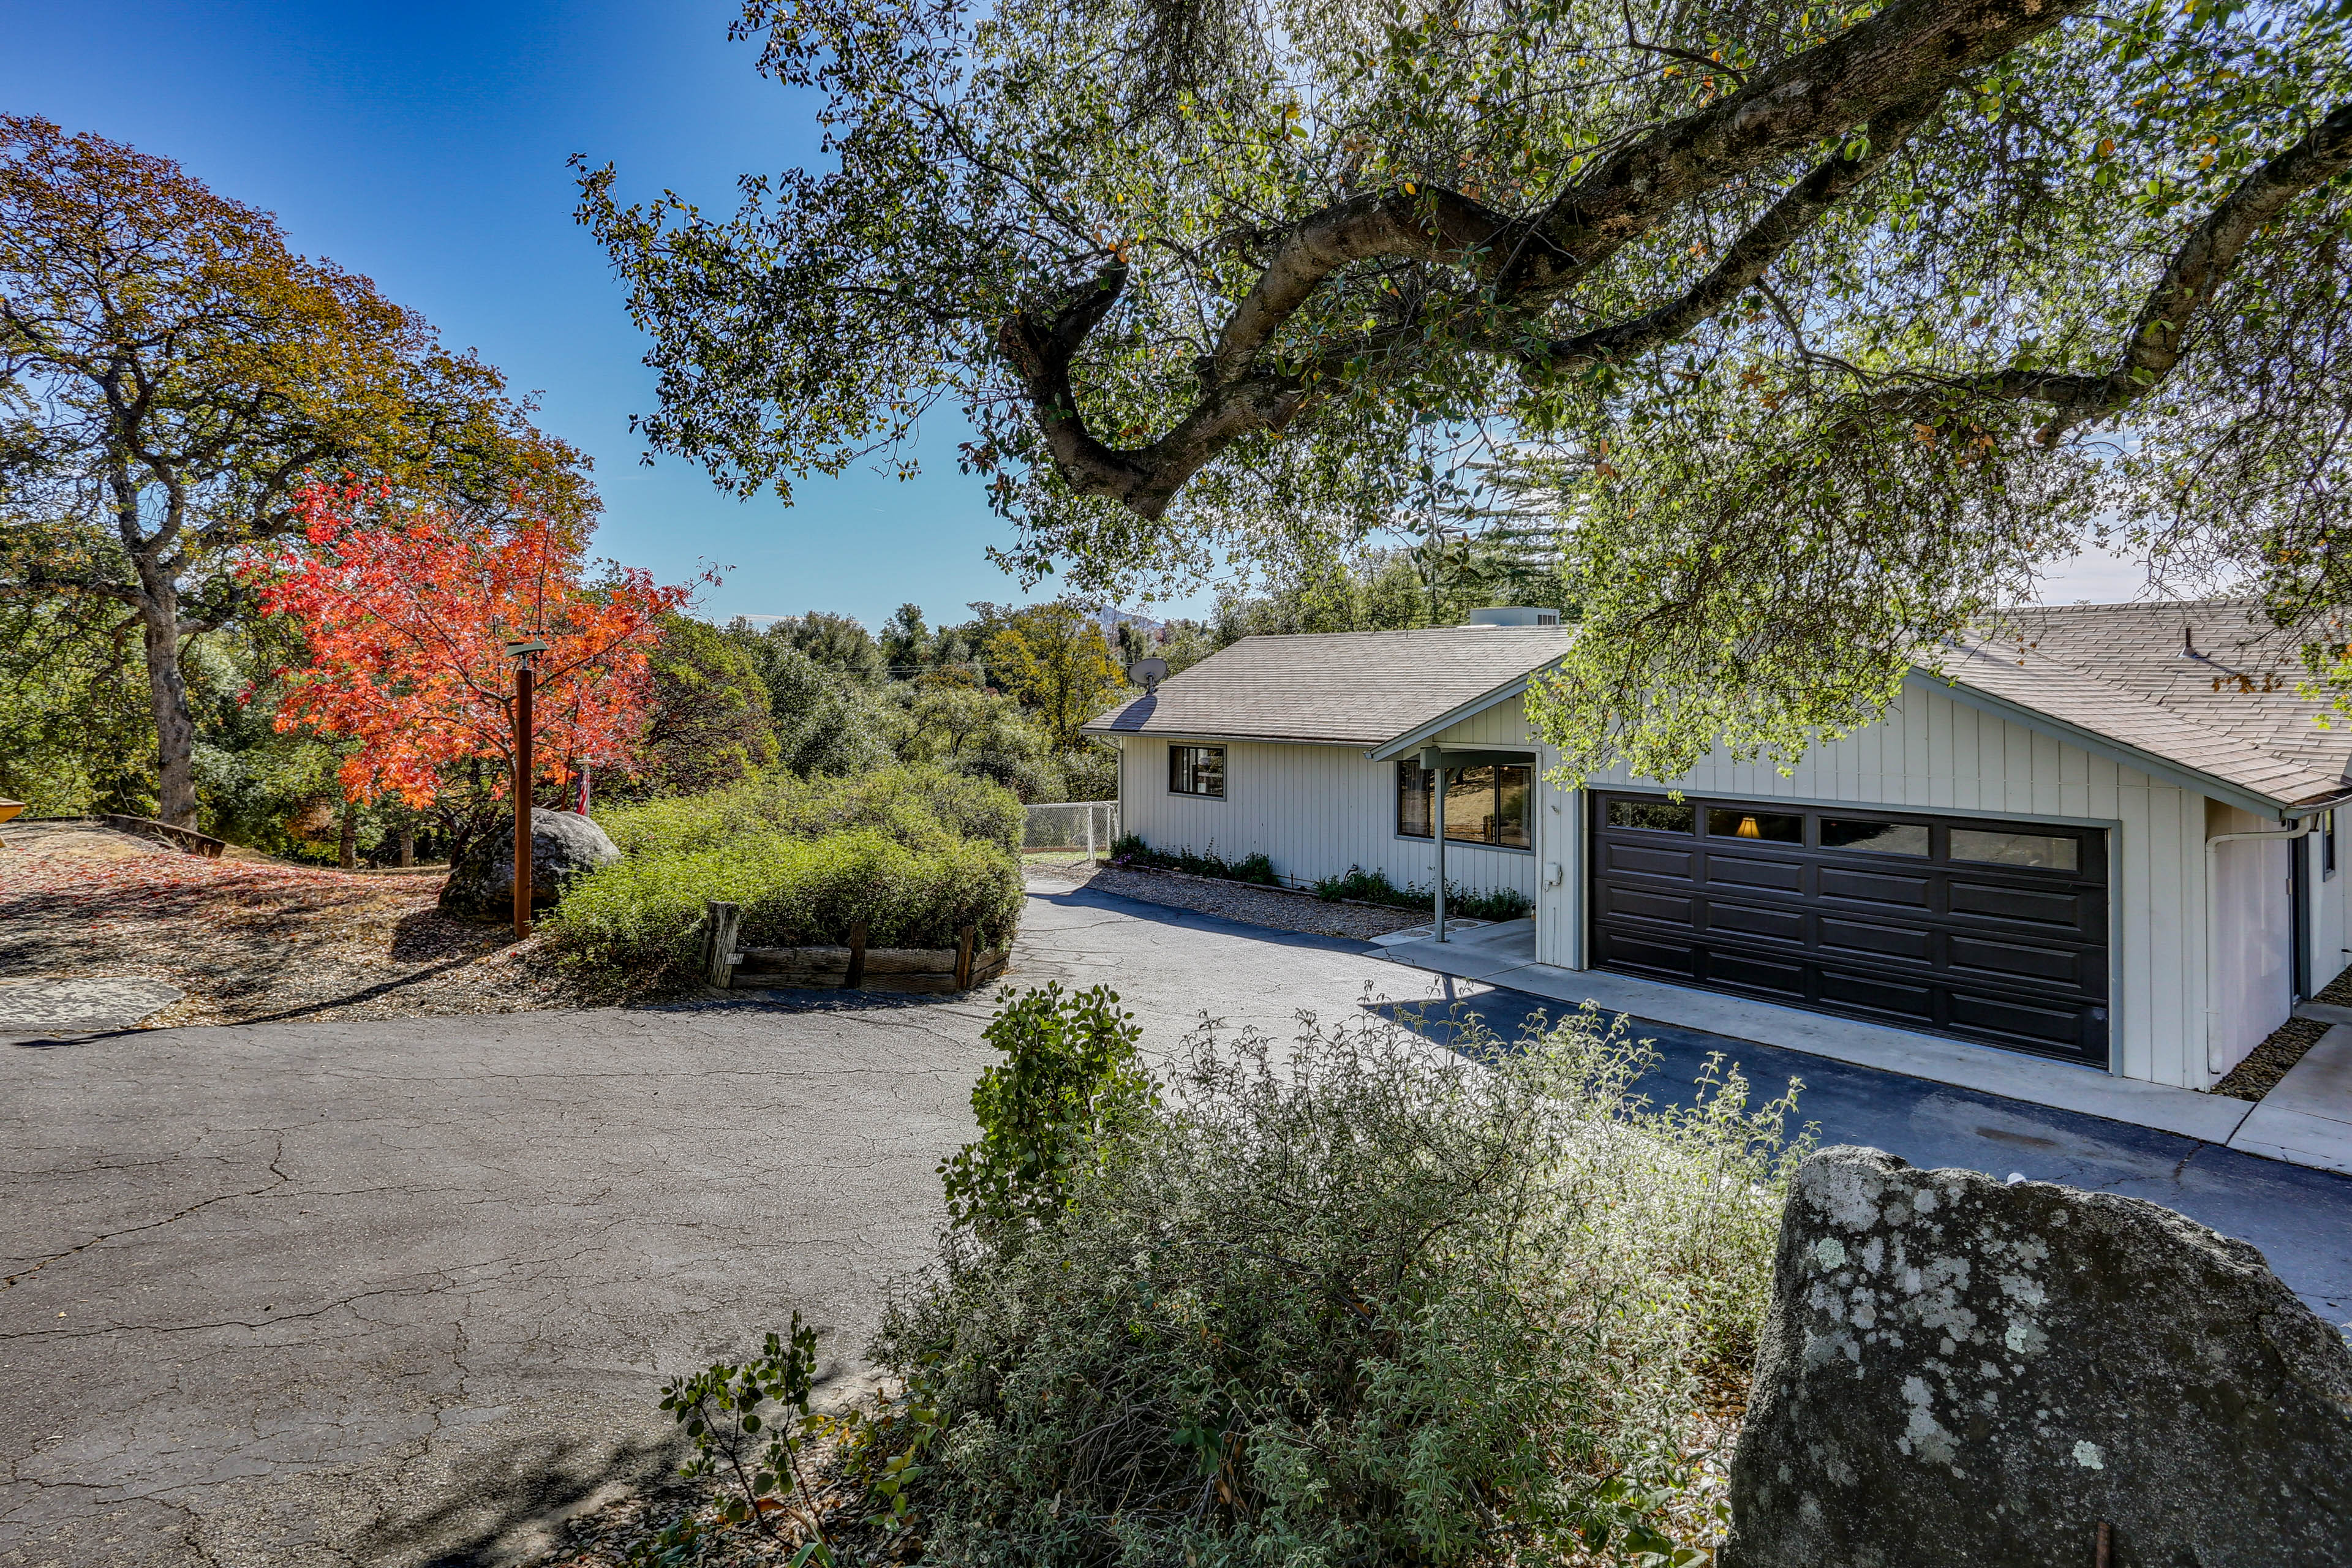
[1482,804]
[1197,770]
[2326,845]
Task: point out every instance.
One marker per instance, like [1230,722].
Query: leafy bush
[644,912]
[1374,888]
[1129,849]
[919,805]
[1070,1081]
[726,1409]
[1366,1302]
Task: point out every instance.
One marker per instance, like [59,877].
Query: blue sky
[423,145]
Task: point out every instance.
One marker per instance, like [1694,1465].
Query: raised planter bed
[944,970]
[919,969]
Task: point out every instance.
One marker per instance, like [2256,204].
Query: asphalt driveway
[400,1292]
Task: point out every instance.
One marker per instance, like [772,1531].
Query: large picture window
[1484,804]
[1197,770]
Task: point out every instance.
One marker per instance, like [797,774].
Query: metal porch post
[1437,831]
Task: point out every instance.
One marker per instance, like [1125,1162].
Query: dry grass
[251,940]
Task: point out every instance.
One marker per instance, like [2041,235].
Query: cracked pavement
[404,1291]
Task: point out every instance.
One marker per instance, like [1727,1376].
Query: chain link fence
[1076,825]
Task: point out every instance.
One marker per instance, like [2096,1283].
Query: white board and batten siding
[1315,810]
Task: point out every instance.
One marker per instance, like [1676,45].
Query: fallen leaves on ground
[254,941]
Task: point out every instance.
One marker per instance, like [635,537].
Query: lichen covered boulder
[564,845]
[1960,1372]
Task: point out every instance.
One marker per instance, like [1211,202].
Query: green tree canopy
[1053,658]
[709,724]
[1838,319]
[828,719]
[836,642]
[171,373]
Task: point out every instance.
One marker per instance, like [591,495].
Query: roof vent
[1513,615]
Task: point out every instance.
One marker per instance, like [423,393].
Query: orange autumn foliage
[404,617]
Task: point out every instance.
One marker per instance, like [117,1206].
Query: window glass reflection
[1656,816]
[1996,848]
[1874,837]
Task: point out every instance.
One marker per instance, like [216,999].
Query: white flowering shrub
[1358,1300]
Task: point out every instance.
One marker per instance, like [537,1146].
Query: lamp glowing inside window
[1734,823]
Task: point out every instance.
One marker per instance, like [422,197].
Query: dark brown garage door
[1983,929]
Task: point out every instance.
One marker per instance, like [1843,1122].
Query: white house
[2109,841]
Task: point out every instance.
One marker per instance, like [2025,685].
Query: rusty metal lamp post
[526,678]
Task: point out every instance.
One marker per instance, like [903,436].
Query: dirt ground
[248,938]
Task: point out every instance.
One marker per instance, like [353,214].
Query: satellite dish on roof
[1148,673]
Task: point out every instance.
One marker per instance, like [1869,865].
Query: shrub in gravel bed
[644,914]
[1131,850]
[916,805]
[1352,1300]
[1374,888]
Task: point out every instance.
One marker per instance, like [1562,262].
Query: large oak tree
[1829,322]
[172,374]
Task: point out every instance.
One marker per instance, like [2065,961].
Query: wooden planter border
[935,971]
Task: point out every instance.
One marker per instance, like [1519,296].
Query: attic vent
[1513,615]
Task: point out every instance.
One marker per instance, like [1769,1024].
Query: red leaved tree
[404,616]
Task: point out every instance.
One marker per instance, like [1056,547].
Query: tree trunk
[167,690]
[347,844]
[408,844]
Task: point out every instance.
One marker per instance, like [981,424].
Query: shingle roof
[1359,687]
[2118,671]
[2229,710]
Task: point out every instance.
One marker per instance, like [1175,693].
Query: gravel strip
[1274,907]
[2276,1057]
[2268,1062]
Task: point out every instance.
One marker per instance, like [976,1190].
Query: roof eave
[2195,780]
[1219,737]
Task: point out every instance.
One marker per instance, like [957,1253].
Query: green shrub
[1360,1302]
[644,912]
[1374,888]
[1129,849]
[1071,1079]
[917,804]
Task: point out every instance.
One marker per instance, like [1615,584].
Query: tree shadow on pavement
[511,1501]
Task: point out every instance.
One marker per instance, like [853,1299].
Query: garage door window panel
[1857,837]
[1654,817]
[1762,825]
[2047,851]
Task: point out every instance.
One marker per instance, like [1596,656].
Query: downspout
[2212,930]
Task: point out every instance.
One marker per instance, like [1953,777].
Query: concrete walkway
[403,1293]
[2305,1121]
